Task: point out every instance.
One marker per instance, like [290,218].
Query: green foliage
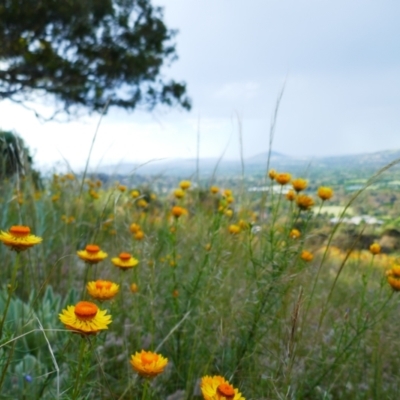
[87,54]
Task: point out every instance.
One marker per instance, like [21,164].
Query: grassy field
[227,283]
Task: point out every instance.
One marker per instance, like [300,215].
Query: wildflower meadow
[116,291]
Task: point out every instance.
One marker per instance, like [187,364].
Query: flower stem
[11,289]
[79,369]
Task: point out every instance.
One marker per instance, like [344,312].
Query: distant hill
[255,164]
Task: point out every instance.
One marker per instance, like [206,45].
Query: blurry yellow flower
[55,198]
[92,254]
[214,189]
[135,193]
[178,211]
[185,185]
[283,178]
[393,277]
[217,388]
[139,235]
[102,290]
[230,199]
[375,248]
[70,176]
[153,196]
[93,194]
[208,246]
[148,364]
[291,195]
[134,228]
[134,288]
[234,229]
[306,256]
[85,317]
[19,238]
[98,183]
[294,234]
[243,225]
[179,193]
[122,188]
[227,192]
[228,212]
[304,202]
[125,261]
[299,184]
[272,174]
[142,203]
[325,193]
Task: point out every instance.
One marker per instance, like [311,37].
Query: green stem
[145,389]
[79,369]
[11,289]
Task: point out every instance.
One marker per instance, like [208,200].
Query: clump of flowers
[217,388]
[102,290]
[92,254]
[19,238]
[325,193]
[125,261]
[85,318]
[148,364]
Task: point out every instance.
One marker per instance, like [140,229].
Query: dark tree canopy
[87,53]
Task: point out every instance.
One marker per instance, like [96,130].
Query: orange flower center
[124,256]
[92,248]
[86,310]
[226,390]
[103,285]
[20,231]
[148,358]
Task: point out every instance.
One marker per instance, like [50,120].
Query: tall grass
[240,303]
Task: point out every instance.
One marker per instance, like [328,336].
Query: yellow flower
[294,234]
[134,228]
[325,193]
[134,288]
[299,184]
[234,229]
[272,174]
[102,290]
[92,254]
[179,193]
[217,388]
[291,195]
[148,364]
[139,235]
[214,189]
[229,199]
[306,256]
[55,198]
[93,194]
[178,211]
[142,203]
[283,178]
[85,318]
[122,188]
[184,185]
[135,194]
[375,248]
[304,202]
[228,212]
[125,261]
[227,192]
[393,277]
[19,238]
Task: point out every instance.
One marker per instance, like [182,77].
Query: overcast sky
[339,61]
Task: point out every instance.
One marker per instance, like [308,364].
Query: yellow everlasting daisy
[19,238]
[102,290]
[283,178]
[184,185]
[304,202]
[92,254]
[324,193]
[294,234]
[148,364]
[234,229]
[125,261]
[393,277]
[85,318]
[306,256]
[375,248]
[217,388]
[299,184]
[178,211]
